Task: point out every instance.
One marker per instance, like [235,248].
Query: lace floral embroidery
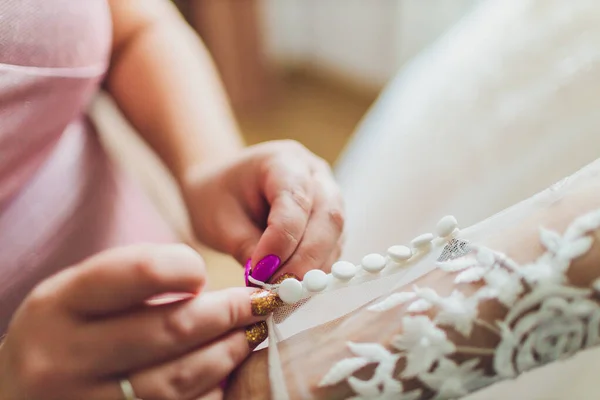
[546,320]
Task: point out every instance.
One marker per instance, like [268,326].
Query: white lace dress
[502,107]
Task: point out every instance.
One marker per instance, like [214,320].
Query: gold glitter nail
[256,334]
[264,302]
[284,277]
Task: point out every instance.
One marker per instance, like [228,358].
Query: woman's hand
[80,332]
[275,198]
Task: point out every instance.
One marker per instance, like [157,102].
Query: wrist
[188,172]
[197,186]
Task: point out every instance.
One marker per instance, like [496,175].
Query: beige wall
[366,41]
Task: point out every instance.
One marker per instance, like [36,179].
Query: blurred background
[299,69]
[309,69]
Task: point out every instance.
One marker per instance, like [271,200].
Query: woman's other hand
[80,332]
[275,198]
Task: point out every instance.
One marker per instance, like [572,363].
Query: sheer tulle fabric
[499,109]
[303,376]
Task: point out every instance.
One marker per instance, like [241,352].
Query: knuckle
[285,231]
[337,218]
[147,269]
[37,373]
[235,352]
[301,199]
[177,327]
[232,314]
[280,151]
[38,298]
[180,383]
[311,257]
[293,145]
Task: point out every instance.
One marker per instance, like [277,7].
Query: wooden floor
[319,115]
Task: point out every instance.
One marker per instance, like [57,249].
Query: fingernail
[264,270]
[264,302]
[256,334]
[266,267]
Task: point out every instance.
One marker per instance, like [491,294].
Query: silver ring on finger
[127,390]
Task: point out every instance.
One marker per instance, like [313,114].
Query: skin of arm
[165,83]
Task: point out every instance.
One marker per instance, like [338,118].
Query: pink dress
[61,199]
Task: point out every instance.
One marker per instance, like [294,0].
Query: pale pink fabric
[61,199]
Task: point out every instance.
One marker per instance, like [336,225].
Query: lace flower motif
[451,380]
[381,385]
[565,248]
[556,327]
[546,320]
[551,267]
[543,272]
[502,285]
[423,343]
[392,301]
[458,311]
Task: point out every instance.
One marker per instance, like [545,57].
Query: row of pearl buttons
[342,272]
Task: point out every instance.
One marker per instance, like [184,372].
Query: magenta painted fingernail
[247,271]
[266,267]
[264,270]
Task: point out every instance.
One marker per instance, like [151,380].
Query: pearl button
[422,240]
[343,270]
[373,263]
[290,291]
[446,226]
[399,253]
[315,280]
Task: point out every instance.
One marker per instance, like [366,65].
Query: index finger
[126,277]
[288,191]
[153,335]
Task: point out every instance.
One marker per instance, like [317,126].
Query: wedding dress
[503,106]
